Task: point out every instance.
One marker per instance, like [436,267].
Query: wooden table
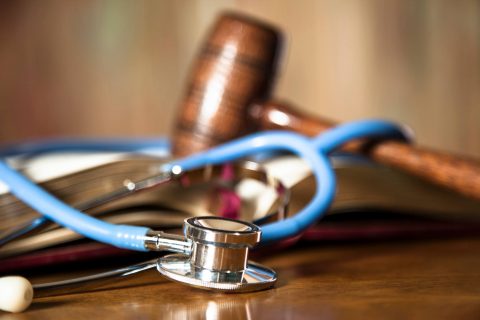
[422,279]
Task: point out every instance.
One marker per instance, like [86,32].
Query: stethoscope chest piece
[219,257]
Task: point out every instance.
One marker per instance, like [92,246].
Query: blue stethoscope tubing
[156,145]
[314,151]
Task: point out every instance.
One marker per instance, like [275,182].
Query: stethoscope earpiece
[16,294]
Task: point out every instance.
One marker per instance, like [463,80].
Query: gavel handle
[453,172]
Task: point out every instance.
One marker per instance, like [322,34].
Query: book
[363,188]
[206,191]
[363,185]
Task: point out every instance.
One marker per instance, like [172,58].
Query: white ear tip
[16,293]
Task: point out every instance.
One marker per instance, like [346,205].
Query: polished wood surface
[427,279]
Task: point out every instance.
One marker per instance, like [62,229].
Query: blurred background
[119,68]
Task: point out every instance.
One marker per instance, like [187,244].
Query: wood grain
[434,279]
[450,171]
[236,65]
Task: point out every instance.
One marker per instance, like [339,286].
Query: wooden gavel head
[236,66]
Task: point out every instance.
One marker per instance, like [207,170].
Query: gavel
[228,95]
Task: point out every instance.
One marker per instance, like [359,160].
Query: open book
[363,187]
[366,186]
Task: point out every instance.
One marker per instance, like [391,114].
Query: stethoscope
[213,252]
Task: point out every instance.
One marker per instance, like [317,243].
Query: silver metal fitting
[161,241]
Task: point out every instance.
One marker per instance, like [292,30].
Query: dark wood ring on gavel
[235,66]
[235,70]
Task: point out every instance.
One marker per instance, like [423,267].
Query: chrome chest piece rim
[218,259]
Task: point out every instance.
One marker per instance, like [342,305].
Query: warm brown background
[108,68]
